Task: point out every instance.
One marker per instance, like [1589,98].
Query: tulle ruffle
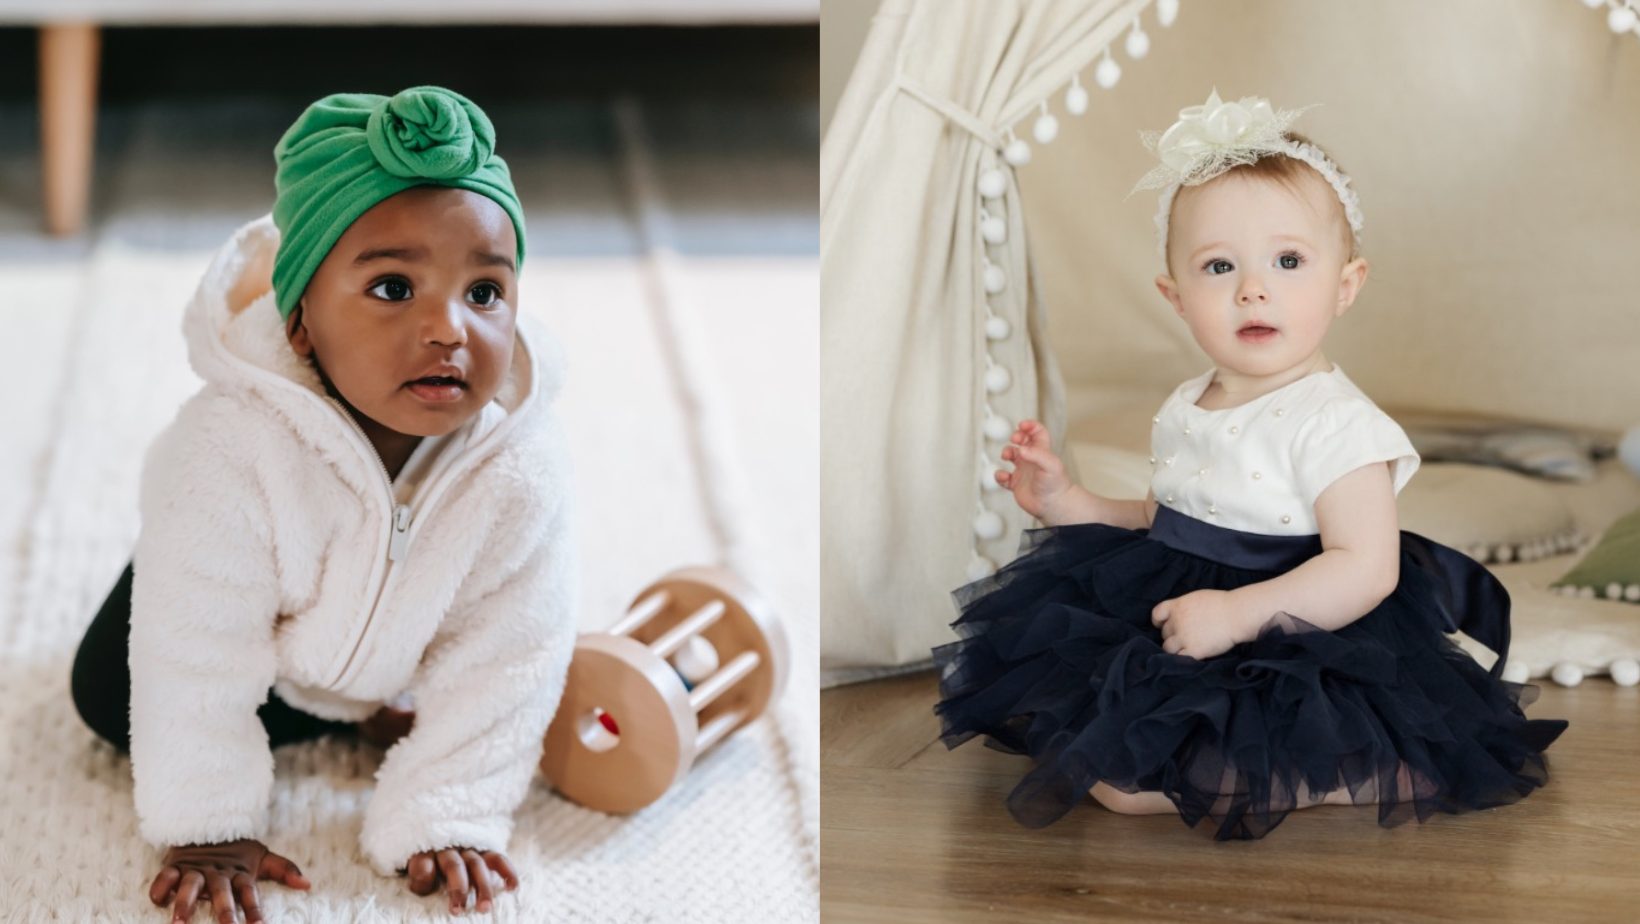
[1057,659]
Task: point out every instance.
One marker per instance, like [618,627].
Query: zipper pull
[401,533]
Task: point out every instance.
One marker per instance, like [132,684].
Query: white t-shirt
[1260,466]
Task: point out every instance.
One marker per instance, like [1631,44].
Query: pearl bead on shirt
[1266,480]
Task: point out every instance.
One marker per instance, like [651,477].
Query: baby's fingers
[282,870]
[423,874]
[245,888]
[499,864]
[1031,433]
[480,878]
[164,886]
[221,897]
[455,875]
[192,881]
[1038,456]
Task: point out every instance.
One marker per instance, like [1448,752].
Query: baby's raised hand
[1200,624]
[461,868]
[229,870]
[1038,478]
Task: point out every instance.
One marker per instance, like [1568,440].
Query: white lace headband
[1211,138]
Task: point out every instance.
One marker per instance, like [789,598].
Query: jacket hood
[236,338]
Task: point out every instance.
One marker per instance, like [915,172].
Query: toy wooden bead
[996,328]
[696,660]
[997,380]
[630,724]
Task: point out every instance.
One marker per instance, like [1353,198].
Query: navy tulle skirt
[1057,658]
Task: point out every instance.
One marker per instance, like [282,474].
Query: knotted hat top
[349,151]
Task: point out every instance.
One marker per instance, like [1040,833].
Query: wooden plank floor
[913,832]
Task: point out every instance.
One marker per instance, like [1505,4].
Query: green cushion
[1612,568]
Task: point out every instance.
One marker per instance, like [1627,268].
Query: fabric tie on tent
[951,111]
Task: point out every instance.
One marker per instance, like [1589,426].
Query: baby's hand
[228,870]
[1200,624]
[1038,478]
[460,868]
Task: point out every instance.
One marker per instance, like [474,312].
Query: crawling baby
[367,506]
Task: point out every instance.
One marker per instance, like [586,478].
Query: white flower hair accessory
[1211,138]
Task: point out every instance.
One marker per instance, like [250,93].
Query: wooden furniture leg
[69,54]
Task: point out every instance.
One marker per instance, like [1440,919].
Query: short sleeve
[1341,436]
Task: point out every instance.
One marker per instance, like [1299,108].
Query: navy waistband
[1233,547]
[1470,598]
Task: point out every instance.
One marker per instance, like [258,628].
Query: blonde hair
[1289,172]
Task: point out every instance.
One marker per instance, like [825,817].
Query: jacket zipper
[426,495]
[398,543]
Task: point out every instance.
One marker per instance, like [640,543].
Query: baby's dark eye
[492,288]
[1293,256]
[1213,263]
[401,285]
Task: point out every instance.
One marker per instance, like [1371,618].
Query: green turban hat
[349,151]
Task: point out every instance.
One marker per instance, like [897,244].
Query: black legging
[102,683]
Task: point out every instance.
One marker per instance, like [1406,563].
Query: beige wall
[843,26]
[1492,143]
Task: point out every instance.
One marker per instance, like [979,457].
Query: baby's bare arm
[1079,505]
[1360,562]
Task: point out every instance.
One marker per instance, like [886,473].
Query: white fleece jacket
[273,553]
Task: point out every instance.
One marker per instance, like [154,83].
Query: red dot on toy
[608,722]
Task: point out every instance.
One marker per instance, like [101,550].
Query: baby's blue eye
[405,286]
[1291,256]
[1213,263]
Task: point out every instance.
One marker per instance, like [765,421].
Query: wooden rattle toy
[697,656]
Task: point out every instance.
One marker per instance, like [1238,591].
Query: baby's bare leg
[1145,802]
[1152,802]
[1407,786]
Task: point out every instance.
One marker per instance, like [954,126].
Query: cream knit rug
[692,388]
